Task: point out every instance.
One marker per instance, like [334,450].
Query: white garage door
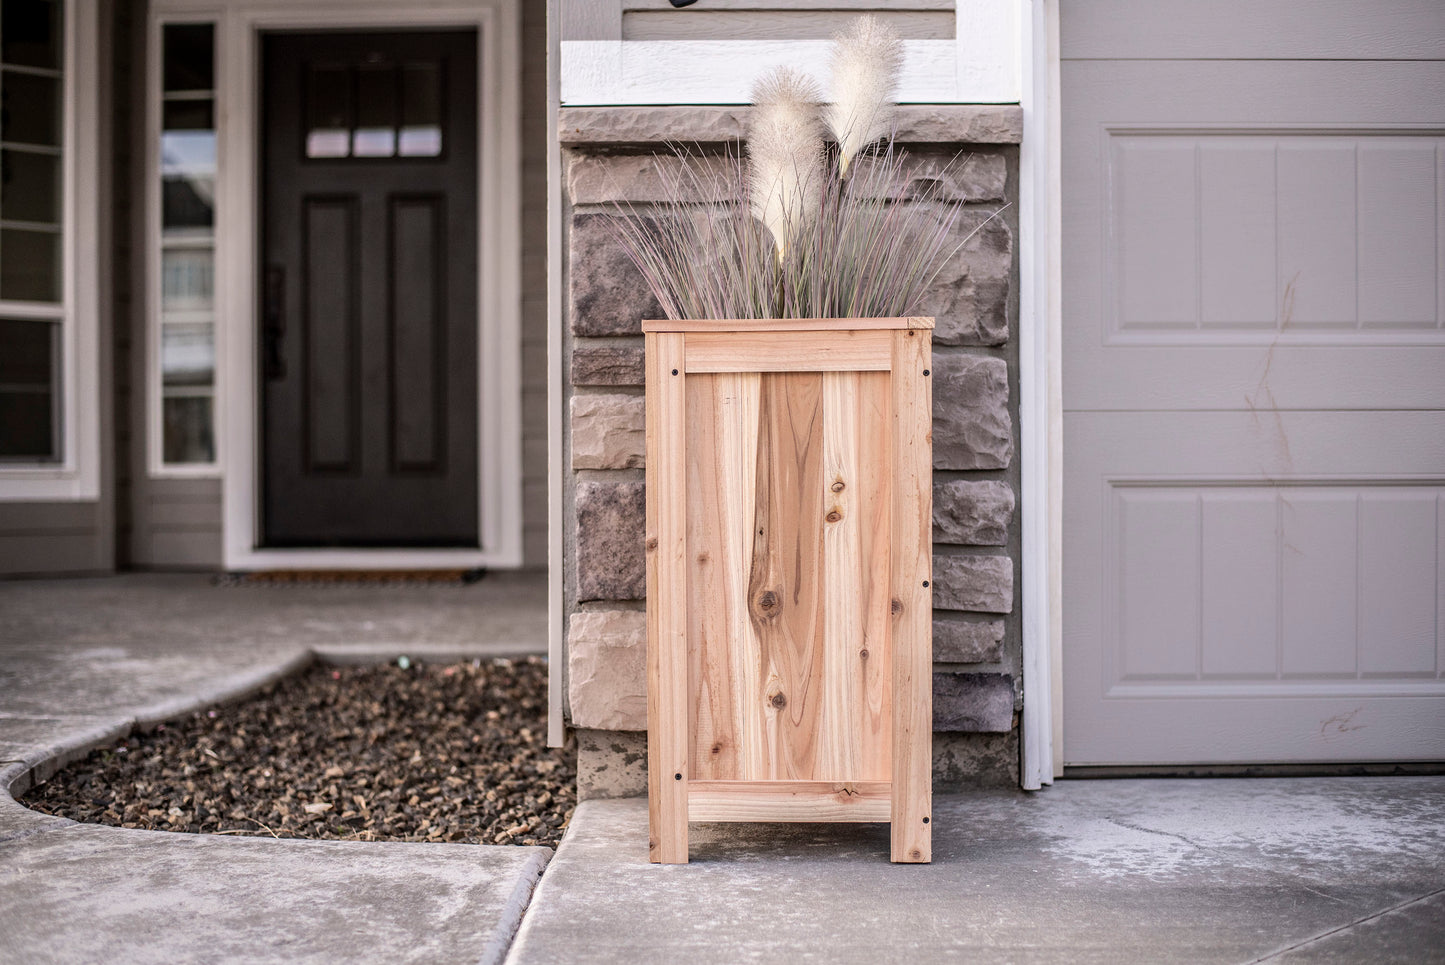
[1253,380]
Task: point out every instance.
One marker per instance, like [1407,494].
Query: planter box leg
[912,599]
[667,768]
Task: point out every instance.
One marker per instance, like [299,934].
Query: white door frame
[239,25]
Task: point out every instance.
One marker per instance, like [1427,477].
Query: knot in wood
[651,543]
[897,606]
[833,516]
[863,654]
[839,486]
[778,701]
[767,603]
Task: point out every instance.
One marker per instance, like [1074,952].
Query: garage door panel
[1196,569]
[1279,29]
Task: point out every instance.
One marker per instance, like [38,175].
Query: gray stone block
[608,364]
[608,431]
[943,176]
[972,512]
[983,584]
[641,178]
[607,669]
[971,425]
[969,298]
[611,529]
[967,641]
[973,703]
[608,293]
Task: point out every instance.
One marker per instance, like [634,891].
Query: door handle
[273,323]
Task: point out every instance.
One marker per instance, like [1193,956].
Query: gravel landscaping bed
[419,752]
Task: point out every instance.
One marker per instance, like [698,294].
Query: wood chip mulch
[416,753]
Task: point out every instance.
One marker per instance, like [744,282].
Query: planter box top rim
[783,324]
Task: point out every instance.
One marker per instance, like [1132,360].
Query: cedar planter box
[789,615]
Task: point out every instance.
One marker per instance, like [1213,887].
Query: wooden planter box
[789,615]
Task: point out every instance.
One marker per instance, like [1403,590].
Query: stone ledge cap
[915,124]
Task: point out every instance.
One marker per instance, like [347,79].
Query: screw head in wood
[925,371]
[674,371]
[925,582]
[925,820]
[677,777]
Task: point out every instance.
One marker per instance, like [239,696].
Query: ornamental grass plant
[816,216]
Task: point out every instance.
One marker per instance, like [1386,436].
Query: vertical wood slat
[667,769]
[856,519]
[912,598]
[723,672]
[785,590]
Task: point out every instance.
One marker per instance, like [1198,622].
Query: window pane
[30,187]
[29,265]
[188,354]
[31,109]
[187,429]
[190,57]
[421,113]
[30,33]
[187,280]
[188,115]
[375,112]
[29,415]
[188,179]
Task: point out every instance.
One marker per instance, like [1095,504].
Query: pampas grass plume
[785,145]
[866,62]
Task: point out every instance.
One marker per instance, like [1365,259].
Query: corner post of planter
[912,597]
[667,767]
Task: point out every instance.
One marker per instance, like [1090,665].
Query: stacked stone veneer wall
[613,155]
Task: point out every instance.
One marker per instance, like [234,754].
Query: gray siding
[41,539]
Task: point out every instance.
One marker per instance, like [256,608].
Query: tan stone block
[608,431]
[607,669]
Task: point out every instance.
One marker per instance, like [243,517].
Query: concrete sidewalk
[1150,871]
[83,662]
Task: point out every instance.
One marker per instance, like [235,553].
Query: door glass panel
[375,111]
[31,108]
[187,280]
[188,354]
[190,61]
[421,115]
[29,265]
[30,187]
[29,402]
[328,111]
[187,429]
[30,33]
[188,179]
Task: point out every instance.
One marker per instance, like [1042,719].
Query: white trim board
[238,28]
[77,475]
[981,65]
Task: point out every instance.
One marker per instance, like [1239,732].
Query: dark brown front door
[368,336]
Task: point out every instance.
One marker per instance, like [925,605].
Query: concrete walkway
[83,662]
[1149,871]
[1245,870]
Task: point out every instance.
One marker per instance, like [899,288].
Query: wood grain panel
[788,801]
[666,544]
[785,588]
[789,352]
[911,597]
[856,725]
[782,324]
[723,665]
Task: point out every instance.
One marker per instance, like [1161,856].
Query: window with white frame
[184,373]
[32,229]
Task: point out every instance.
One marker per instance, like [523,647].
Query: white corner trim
[238,28]
[1037,456]
[77,475]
